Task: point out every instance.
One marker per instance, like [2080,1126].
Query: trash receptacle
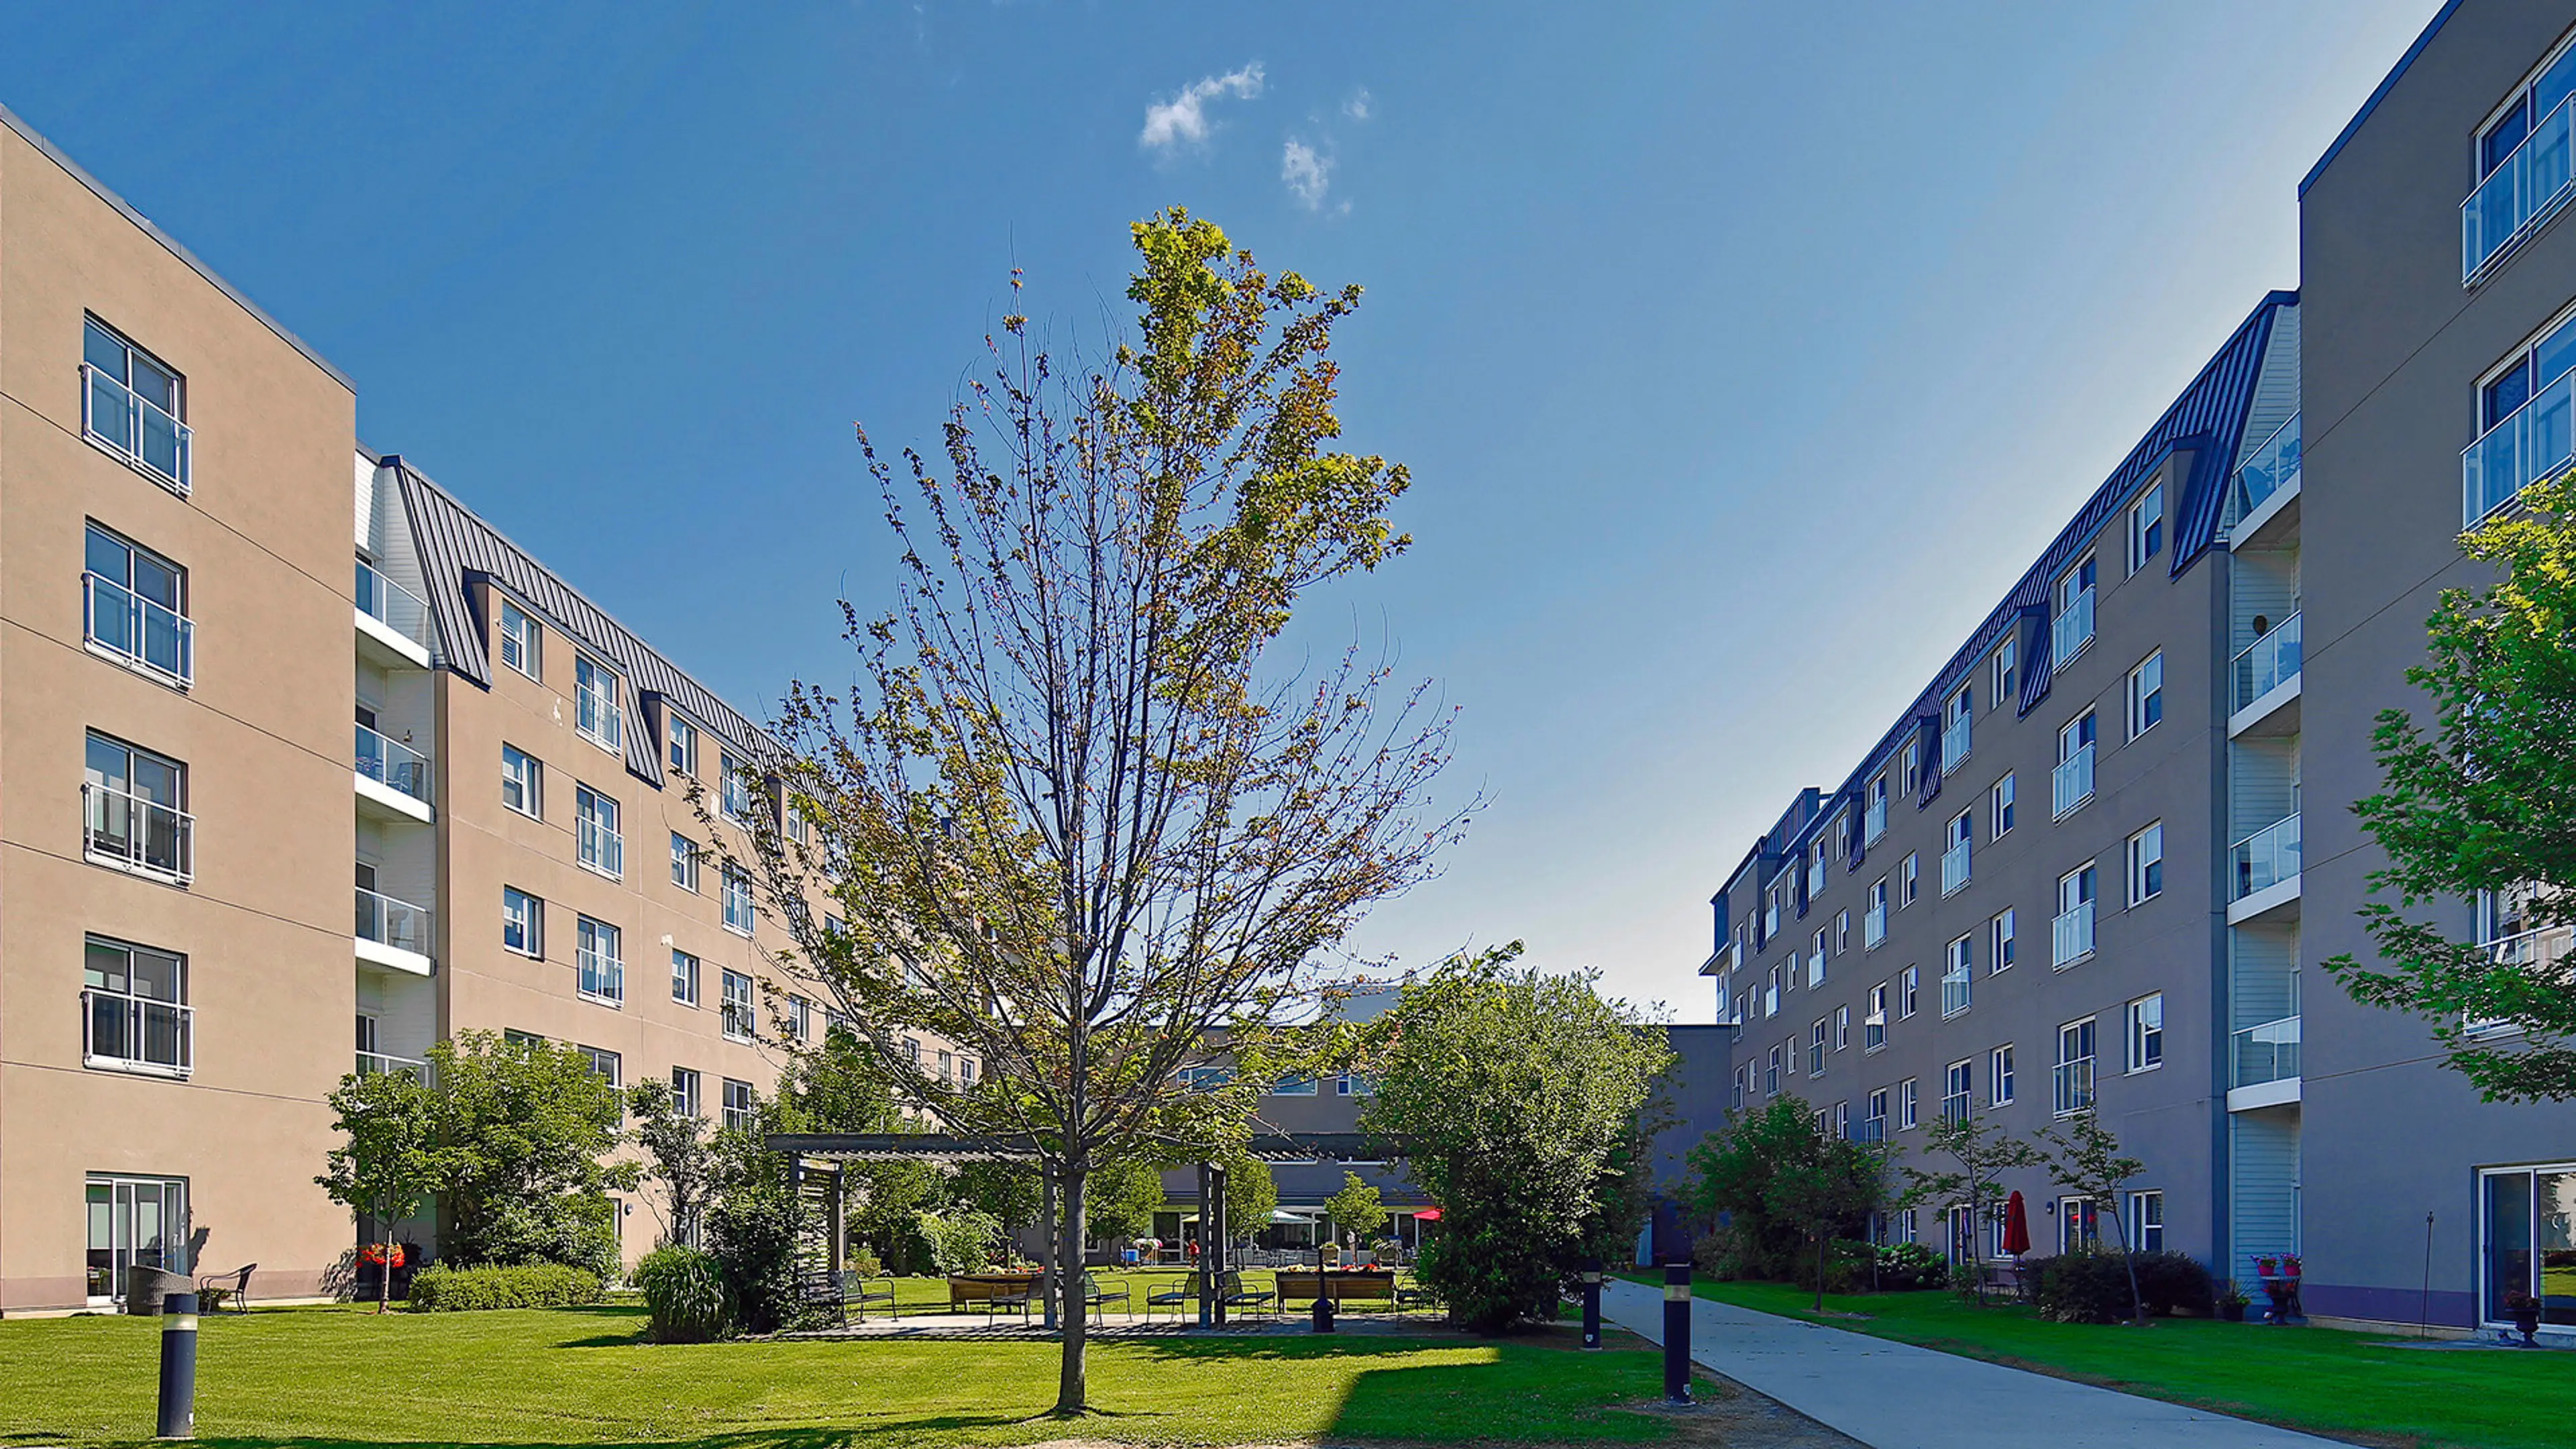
[146,1286]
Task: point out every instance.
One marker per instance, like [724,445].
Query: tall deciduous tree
[1069,816]
[1513,1096]
[1358,1209]
[1983,1151]
[2479,801]
[1781,1185]
[2085,1158]
[388,1162]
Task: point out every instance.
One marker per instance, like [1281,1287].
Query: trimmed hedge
[441,1289]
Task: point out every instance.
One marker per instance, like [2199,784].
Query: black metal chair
[1175,1299]
[236,1293]
[1098,1299]
[855,1290]
[1233,1294]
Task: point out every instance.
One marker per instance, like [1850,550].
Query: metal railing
[2070,936]
[1955,737]
[2266,857]
[2072,630]
[2073,1086]
[1873,927]
[145,633]
[391,922]
[1957,986]
[601,848]
[2549,950]
[2517,196]
[123,829]
[1874,823]
[135,428]
[393,764]
[392,605]
[1954,868]
[137,1033]
[2533,442]
[2071,783]
[1870,1129]
[2265,1053]
[2273,467]
[2268,662]
[373,1063]
[602,976]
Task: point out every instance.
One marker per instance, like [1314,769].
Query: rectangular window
[522,641]
[1874,1125]
[1354,1084]
[2522,166]
[1816,962]
[1910,767]
[1771,1075]
[604,1064]
[1909,879]
[684,745]
[598,955]
[2147,1033]
[2073,626]
[523,922]
[2146,1222]
[134,811]
[1816,1048]
[1873,1027]
[1842,1028]
[602,845]
[1999,807]
[134,608]
[1909,991]
[2147,528]
[1909,1105]
[739,1020]
[2071,784]
[2523,1240]
[134,1222]
[739,913]
[1999,1076]
[1999,942]
[2007,671]
[1873,932]
[2071,934]
[135,1015]
[523,782]
[688,1096]
[2147,864]
[800,1020]
[1958,718]
[2147,694]
[1842,930]
[2074,1082]
[1955,1087]
[1875,824]
[1742,1080]
[1956,843]
[2078,1231]
[741,1106]
[132,405]
[684,862]
[736,802]
[1958,976]
[1842,1119]
[599,710]
[684,977]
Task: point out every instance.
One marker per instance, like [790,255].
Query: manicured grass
[583,1376]
[2350,1385]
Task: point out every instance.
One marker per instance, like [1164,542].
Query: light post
[178,1418]
[1677,1317]
[1592,1303]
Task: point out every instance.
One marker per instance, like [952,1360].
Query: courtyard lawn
[583,1376]
[2350,1385]
[930,1294]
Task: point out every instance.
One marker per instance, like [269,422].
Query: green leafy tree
[1358,1210]
[681,1154]
[2085,1158]
[1981,1151]
[2478,801]
[1511,1093]
[1730,1185]
[1251,1194]
[1006,1190]
[1070,816]
[388,1162]
[1125,1196]
[524,1128]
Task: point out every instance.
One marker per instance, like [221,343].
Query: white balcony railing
[134,833]
[1815,878]
[1956,985]
[1874,823]
[134,1033]
[602,976]
[1873,927]
[2070,936]
[2266,1053]
[150,636]
[2515,198]
[1954,868]
[2266,857]
[2268,662]
[135,428]
[2273,467]
[602,849]
[2071,783]
[2550,950]
[390,922]
[393,764]
[392,605]
[1954,742]
[2532,443]
[375,1063]
[2073,1087]
[2073,629]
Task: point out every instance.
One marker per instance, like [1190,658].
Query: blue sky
[1743,354]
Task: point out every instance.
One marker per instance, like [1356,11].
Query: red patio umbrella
[1427,1215]
[2016,1226]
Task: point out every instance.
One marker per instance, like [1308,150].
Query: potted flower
[2524,1310]
[2279,1273]
[2231,1304]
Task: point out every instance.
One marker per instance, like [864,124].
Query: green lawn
[582,1376]
[2351,1385]
[926,1294]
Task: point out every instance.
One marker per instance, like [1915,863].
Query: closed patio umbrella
[2016,1226]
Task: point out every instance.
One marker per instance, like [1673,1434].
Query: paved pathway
[1897,1396]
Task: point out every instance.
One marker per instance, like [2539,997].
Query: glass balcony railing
[1954,743]
[1954,868]
[2517,196]
[2273,467]
[375,1063]
[392,605]
[2070,936]
[1874,823]
[602,976]
[133,832]
[149,635]
[2071,783]
[2532,443]
[390,922]
[1873,927]
[2072,630]
[135,428]
[2266,857]
[393,764]
[2268,662]
[136,1033]
[2266,1053]
[1956,985]
[1870,1129]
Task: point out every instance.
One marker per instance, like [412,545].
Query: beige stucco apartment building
[185,646]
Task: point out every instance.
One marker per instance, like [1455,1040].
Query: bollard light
[178,1367]
[1677,1317]
[1591,1276]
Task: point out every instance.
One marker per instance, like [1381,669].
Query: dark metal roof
[458,548]
[2353,126]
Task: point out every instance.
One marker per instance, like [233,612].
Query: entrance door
[135,1220]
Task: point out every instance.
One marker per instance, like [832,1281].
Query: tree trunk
[1976,1249]
[1820,1272]
[1070,1393]
[2129,1260]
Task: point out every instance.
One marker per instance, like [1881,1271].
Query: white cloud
[1308,174]
[1183,118]
[1357,107]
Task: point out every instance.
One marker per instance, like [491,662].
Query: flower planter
[2231,1311]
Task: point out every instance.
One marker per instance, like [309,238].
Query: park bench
[1344,1287]
[995,1293]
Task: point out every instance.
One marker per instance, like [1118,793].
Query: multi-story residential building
[2440,283]
[2025,900]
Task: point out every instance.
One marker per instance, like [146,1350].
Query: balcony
[393,933]
[601,848]
[2071,783]
[136,429]
[2073,629]
[2262,1055]
[2266,490]
[377,1063]
[1954,742]
[124,1033]
[1957,984]
[2266,860]
[2070,936]
[2267,680]
[137,632]
[2532,443]
[1873,928]
[602,976]
[134,833]
[2073,1086]
[1874,823]
[2549,951]
[392,775]
[1870,1129]
[1954,868]
[393,623]
[2516,198]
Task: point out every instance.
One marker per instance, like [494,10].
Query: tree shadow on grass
[878,1434]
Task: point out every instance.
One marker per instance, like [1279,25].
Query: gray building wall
[2395,349]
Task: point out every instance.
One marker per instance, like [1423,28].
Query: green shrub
[684,1294]
[1904,1267]
[752,1235]
[441,1289]
[865,1264]
[2081,1287]
[961,1239]
[2174,1283]
[577,1230]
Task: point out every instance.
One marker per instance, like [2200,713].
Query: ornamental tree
[1983,1151]
[2476,800]
[2085,1159]
[1358,1208]
[388,1161]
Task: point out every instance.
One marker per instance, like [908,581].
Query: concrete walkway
[1897,1396]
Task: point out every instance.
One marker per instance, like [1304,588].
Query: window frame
[688,972]
[2144,1218]
[2002,943]
[2143,1021]
[1959,1086]
[2146,871]
[590,935]
[527,640]
[2005,669]
[1909,876]
[680,745]
[746,1116]
[2146,527]
[688,859]
[2146,701]
[2001,798]
[2084,1031]
[138,659]
[183,481]
[531,784]
[738,1020]
[2001,1084]
[533,925]
[605,707]
[599,836]
[737,886]
[133,1029]
[688,1091]
[1909,1104]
